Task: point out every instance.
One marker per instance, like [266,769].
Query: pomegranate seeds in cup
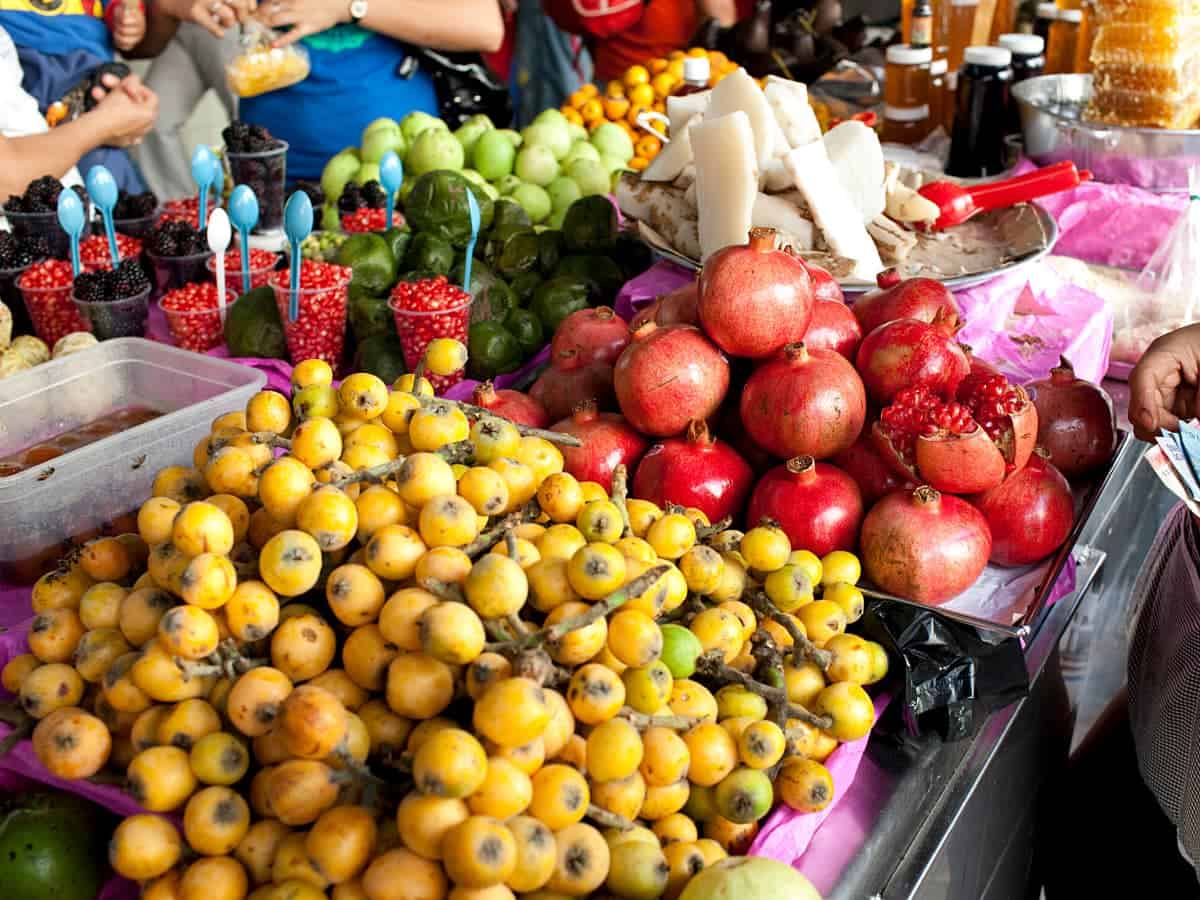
[262,264]
[365,220]
[46,287]
[319,331]
[93,251]
[193,317]
[427,309]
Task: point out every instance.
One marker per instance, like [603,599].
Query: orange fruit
[697,51]
[676,54]
[635,75]
[614,89]
[663,84]
[615,108]
[659,106]
[638,163]
[589,90]
[647,146]
[657,65]
[634,111]
[675,68]
[641,94]
[577,99]
[717,58]
[592,111]
[573,116]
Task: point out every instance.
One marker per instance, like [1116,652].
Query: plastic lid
[1074,16]
[696,68]
[1047,11]
[999,57]
[938,67]
[904,55]
[1025,44]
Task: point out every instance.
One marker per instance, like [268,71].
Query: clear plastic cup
[44,225]
[319,331]
[259,277]
[140,227]
[52,312]
[170,272]
[417,328]
[116,318]
[198,330]
[264,173]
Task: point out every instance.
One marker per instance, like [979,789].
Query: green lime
[253,328]
[52,847]
[557,298]
[397,240]
[527,329]
[492,350]
[524,285]
[680,650]
[370,259]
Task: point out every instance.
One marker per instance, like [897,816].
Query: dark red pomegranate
[668,376]
[960,447]
[589,336]
[825,286]
[608,441]
[1075,421]
[833,327]
[559,392]
[680,306]
[804,403]
[511,405]
[1030,514]
[754,298]
[816,504]
[924,546]
[914,298]
[873,475]
[911,353]
[648,313]
[695,470]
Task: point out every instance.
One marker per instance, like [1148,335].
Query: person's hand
[305,16]
[129,25]
[126,113]
[132,85]
[1162,388]
[213,15]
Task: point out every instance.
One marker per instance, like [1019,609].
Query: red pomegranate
[911,353]
[695,470]
[675,308]
[668,376]
[804,403]
[833,327]
[961,447]
[825,286]
[754,298]
[560,391]
[816,504]
[1030,514]
[648,313]
[512,405]
[914,298]
[1075,421]
[870,471]
[588,336]
[608,442]
[924,546]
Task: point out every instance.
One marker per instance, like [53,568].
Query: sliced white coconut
[664,208]
[726,179]
[778,213]
[857,158]
[672,158]
[737,91]
[775,177]
[832,209]
[681,109]
[794,116]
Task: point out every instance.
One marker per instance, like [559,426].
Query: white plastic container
[91,485]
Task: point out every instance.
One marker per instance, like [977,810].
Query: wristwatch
[358,9]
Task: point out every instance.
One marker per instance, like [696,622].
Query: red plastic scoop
[957,204]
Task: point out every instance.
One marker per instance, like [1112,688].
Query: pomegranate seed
[185,209]
[319,331]
[365,220]
[94,255]
[262,264]
[412,304]
[193,317]
[46,287]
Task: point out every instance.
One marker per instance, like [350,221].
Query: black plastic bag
[465,86]
[954,674]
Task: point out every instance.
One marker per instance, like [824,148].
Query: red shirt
[665,25]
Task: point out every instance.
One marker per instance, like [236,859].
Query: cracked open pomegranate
[912,353]
[961,446]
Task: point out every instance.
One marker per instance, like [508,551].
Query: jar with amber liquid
[906,94]
[1060,47]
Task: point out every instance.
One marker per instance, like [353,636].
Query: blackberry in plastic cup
[319,331]
[116,318]
[167,273]
[44,225]
[264,173]
[428,309]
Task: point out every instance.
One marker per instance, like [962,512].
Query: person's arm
[454,25]
[724,11]
[164,17]
[1164,386]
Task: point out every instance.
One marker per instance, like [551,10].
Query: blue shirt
[353,81]
[74,25]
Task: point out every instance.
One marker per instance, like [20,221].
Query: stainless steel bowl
[1051,108]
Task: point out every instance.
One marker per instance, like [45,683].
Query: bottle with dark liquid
[977,146]
[696,72]
[921,28]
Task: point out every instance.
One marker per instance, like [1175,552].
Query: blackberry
[95,287]
[351,199]
[176,238]
[316,195]
[130,279]
[236,135]
[135,206]
[374,196]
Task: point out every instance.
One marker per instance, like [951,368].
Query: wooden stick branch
[495,534]
[643,721]
[608,819]
[711,665]
[802,647]
[478,412]
[620,493]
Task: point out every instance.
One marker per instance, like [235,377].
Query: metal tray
[1048,571]
[1052,107]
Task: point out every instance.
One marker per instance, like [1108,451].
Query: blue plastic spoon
[391,174]
[102,188]
[297,225]
[218,181]
[243,212]
[203,163]
[473,211]
[70,217]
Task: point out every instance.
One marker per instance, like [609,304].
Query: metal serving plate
[1052,108]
